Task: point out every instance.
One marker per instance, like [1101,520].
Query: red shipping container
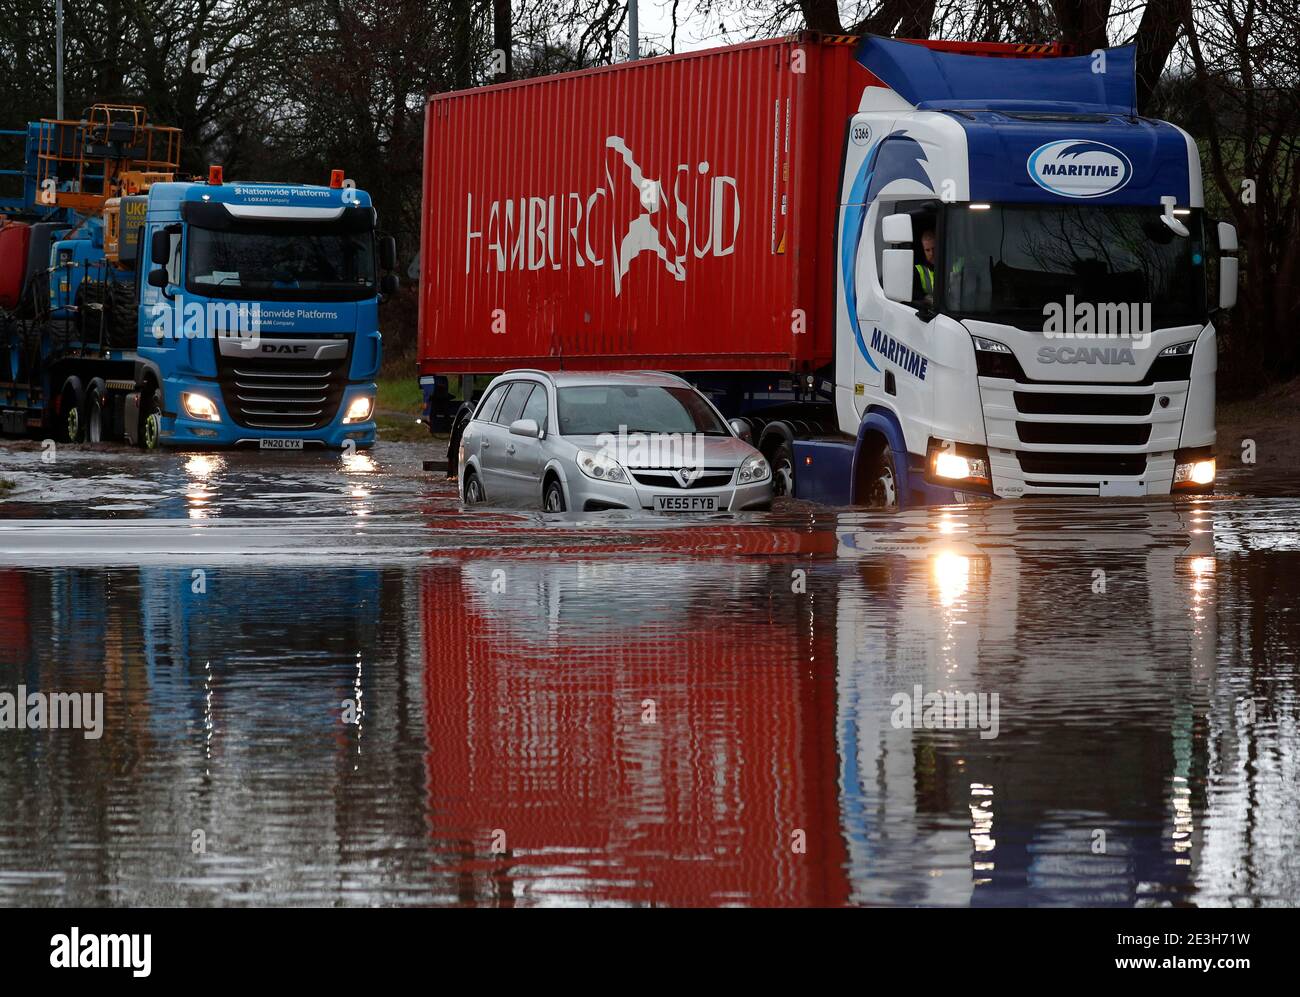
[14,240]
[675,213]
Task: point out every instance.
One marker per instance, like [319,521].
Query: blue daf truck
[162,312]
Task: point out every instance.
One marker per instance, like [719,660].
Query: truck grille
[1104,465]
[1084,434]
[270,393]
[1060,403]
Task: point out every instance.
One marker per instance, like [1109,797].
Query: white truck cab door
[866,378]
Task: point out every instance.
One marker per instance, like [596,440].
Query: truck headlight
[600,467]
[359,409]
[952,463]
[1194,468]
[199,406]
[754,469]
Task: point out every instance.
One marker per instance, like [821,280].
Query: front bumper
[589,495]
[1084,439]
[181,430]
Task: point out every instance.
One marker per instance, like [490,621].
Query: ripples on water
[631,711]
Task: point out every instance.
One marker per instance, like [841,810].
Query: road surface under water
[620,709]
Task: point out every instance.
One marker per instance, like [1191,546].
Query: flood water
[325,683]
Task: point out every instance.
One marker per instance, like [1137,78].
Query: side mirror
[158,278]
[388,253]
[160,247]
[1227,281]
[896,274]
[897,228]
[1227,237]
[388,283]
[525,427]
[742,429]
[1228,266]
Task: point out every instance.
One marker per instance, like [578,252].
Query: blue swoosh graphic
[895,157]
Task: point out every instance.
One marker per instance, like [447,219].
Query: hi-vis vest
[927,278]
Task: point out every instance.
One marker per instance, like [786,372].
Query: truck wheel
[92,413]
[553,497]
[884,483]
[783,469]
[151,422]
[453,445]
[473,489]
[68,421]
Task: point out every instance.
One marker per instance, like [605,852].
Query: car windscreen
[1010,263]
[281,261]
[593,409]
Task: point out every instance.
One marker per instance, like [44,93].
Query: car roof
[572,378]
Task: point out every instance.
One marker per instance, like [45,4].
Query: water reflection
[631,713]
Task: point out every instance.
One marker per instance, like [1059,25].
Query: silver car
[596,441]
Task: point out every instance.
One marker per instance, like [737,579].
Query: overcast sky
[693,30]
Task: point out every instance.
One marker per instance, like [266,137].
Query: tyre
[782,461]
[69,424]
[473,489]
[151,422]
[92,412]
[123,315]
[453,444]
[882,492]
[553,496]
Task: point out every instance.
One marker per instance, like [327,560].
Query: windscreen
[1009,263]
[593,409]
[281,261]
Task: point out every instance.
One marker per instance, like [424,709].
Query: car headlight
[600,467]
[359,409]
[200,407]
[754,469]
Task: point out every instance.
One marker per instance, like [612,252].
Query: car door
[525,456]
[511,488]
[485,438]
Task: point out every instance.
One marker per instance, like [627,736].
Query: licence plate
[686,503]
[1122,489]
[281,444]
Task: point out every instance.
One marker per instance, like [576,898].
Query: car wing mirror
[525,427]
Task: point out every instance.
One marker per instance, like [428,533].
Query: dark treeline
[288,90]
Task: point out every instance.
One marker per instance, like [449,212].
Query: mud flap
[131,417]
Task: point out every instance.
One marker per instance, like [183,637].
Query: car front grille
[712,477]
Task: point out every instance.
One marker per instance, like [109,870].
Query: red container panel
[14,239]
[674,213]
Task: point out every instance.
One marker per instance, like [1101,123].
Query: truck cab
[1026,283]
[258,314]
[137,306]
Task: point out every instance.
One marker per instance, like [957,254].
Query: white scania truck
[915,271]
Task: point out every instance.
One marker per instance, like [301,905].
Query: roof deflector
[1105,81]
